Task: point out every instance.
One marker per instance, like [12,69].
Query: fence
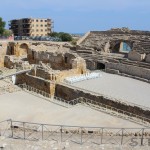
[74,134]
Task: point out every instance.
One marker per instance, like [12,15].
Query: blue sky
[80,16]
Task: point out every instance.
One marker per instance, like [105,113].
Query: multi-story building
[31,26]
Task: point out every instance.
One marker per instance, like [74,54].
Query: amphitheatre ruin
[95,93]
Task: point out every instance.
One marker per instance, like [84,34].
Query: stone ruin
[50,63]
[120,51]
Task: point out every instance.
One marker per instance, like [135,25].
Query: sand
[23,106]
[119,87]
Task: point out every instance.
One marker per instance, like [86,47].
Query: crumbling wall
[3,50]
[58,61]
[130,69]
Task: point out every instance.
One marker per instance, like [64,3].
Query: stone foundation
[68,93]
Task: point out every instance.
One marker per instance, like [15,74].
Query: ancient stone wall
[106,40]
[130,70]
[58,61]
[69,93]
[36,82]
[3,50]
[18,48]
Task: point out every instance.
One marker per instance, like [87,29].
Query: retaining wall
[69,93]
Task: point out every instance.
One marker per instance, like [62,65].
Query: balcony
[26,26]
[27,31]
[12,22]
[26,21]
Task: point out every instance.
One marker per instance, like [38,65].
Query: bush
[65,37]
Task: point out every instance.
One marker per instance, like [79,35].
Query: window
[32,30]
[41,30]
[45,25]
[41,25]
[45,20]
[41,20]
[45,30]
[37,25]
[37,30]
[37,21]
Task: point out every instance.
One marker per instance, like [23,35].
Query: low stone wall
[68,93]
[35,82]
[130,70]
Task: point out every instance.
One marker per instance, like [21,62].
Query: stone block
[148,58]
[135,56]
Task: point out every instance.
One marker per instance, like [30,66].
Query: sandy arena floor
[119,87]
[23,106]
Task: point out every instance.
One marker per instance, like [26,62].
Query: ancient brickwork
[69,93]
[106,40]
[130,70]
[3,49]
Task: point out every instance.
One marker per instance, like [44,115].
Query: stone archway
[23,49]
[120,47]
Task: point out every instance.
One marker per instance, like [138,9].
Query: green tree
[7,33]
[54,34]
[2,26]
[65,37]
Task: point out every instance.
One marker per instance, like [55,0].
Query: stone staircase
[83,38]
[142,46]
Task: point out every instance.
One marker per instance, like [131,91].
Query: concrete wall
[69,93]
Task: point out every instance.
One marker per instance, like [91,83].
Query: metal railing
[74,134]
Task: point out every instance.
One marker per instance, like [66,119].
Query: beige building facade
[31,26]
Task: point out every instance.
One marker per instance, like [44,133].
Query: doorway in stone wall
[100,66]
[23,49]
